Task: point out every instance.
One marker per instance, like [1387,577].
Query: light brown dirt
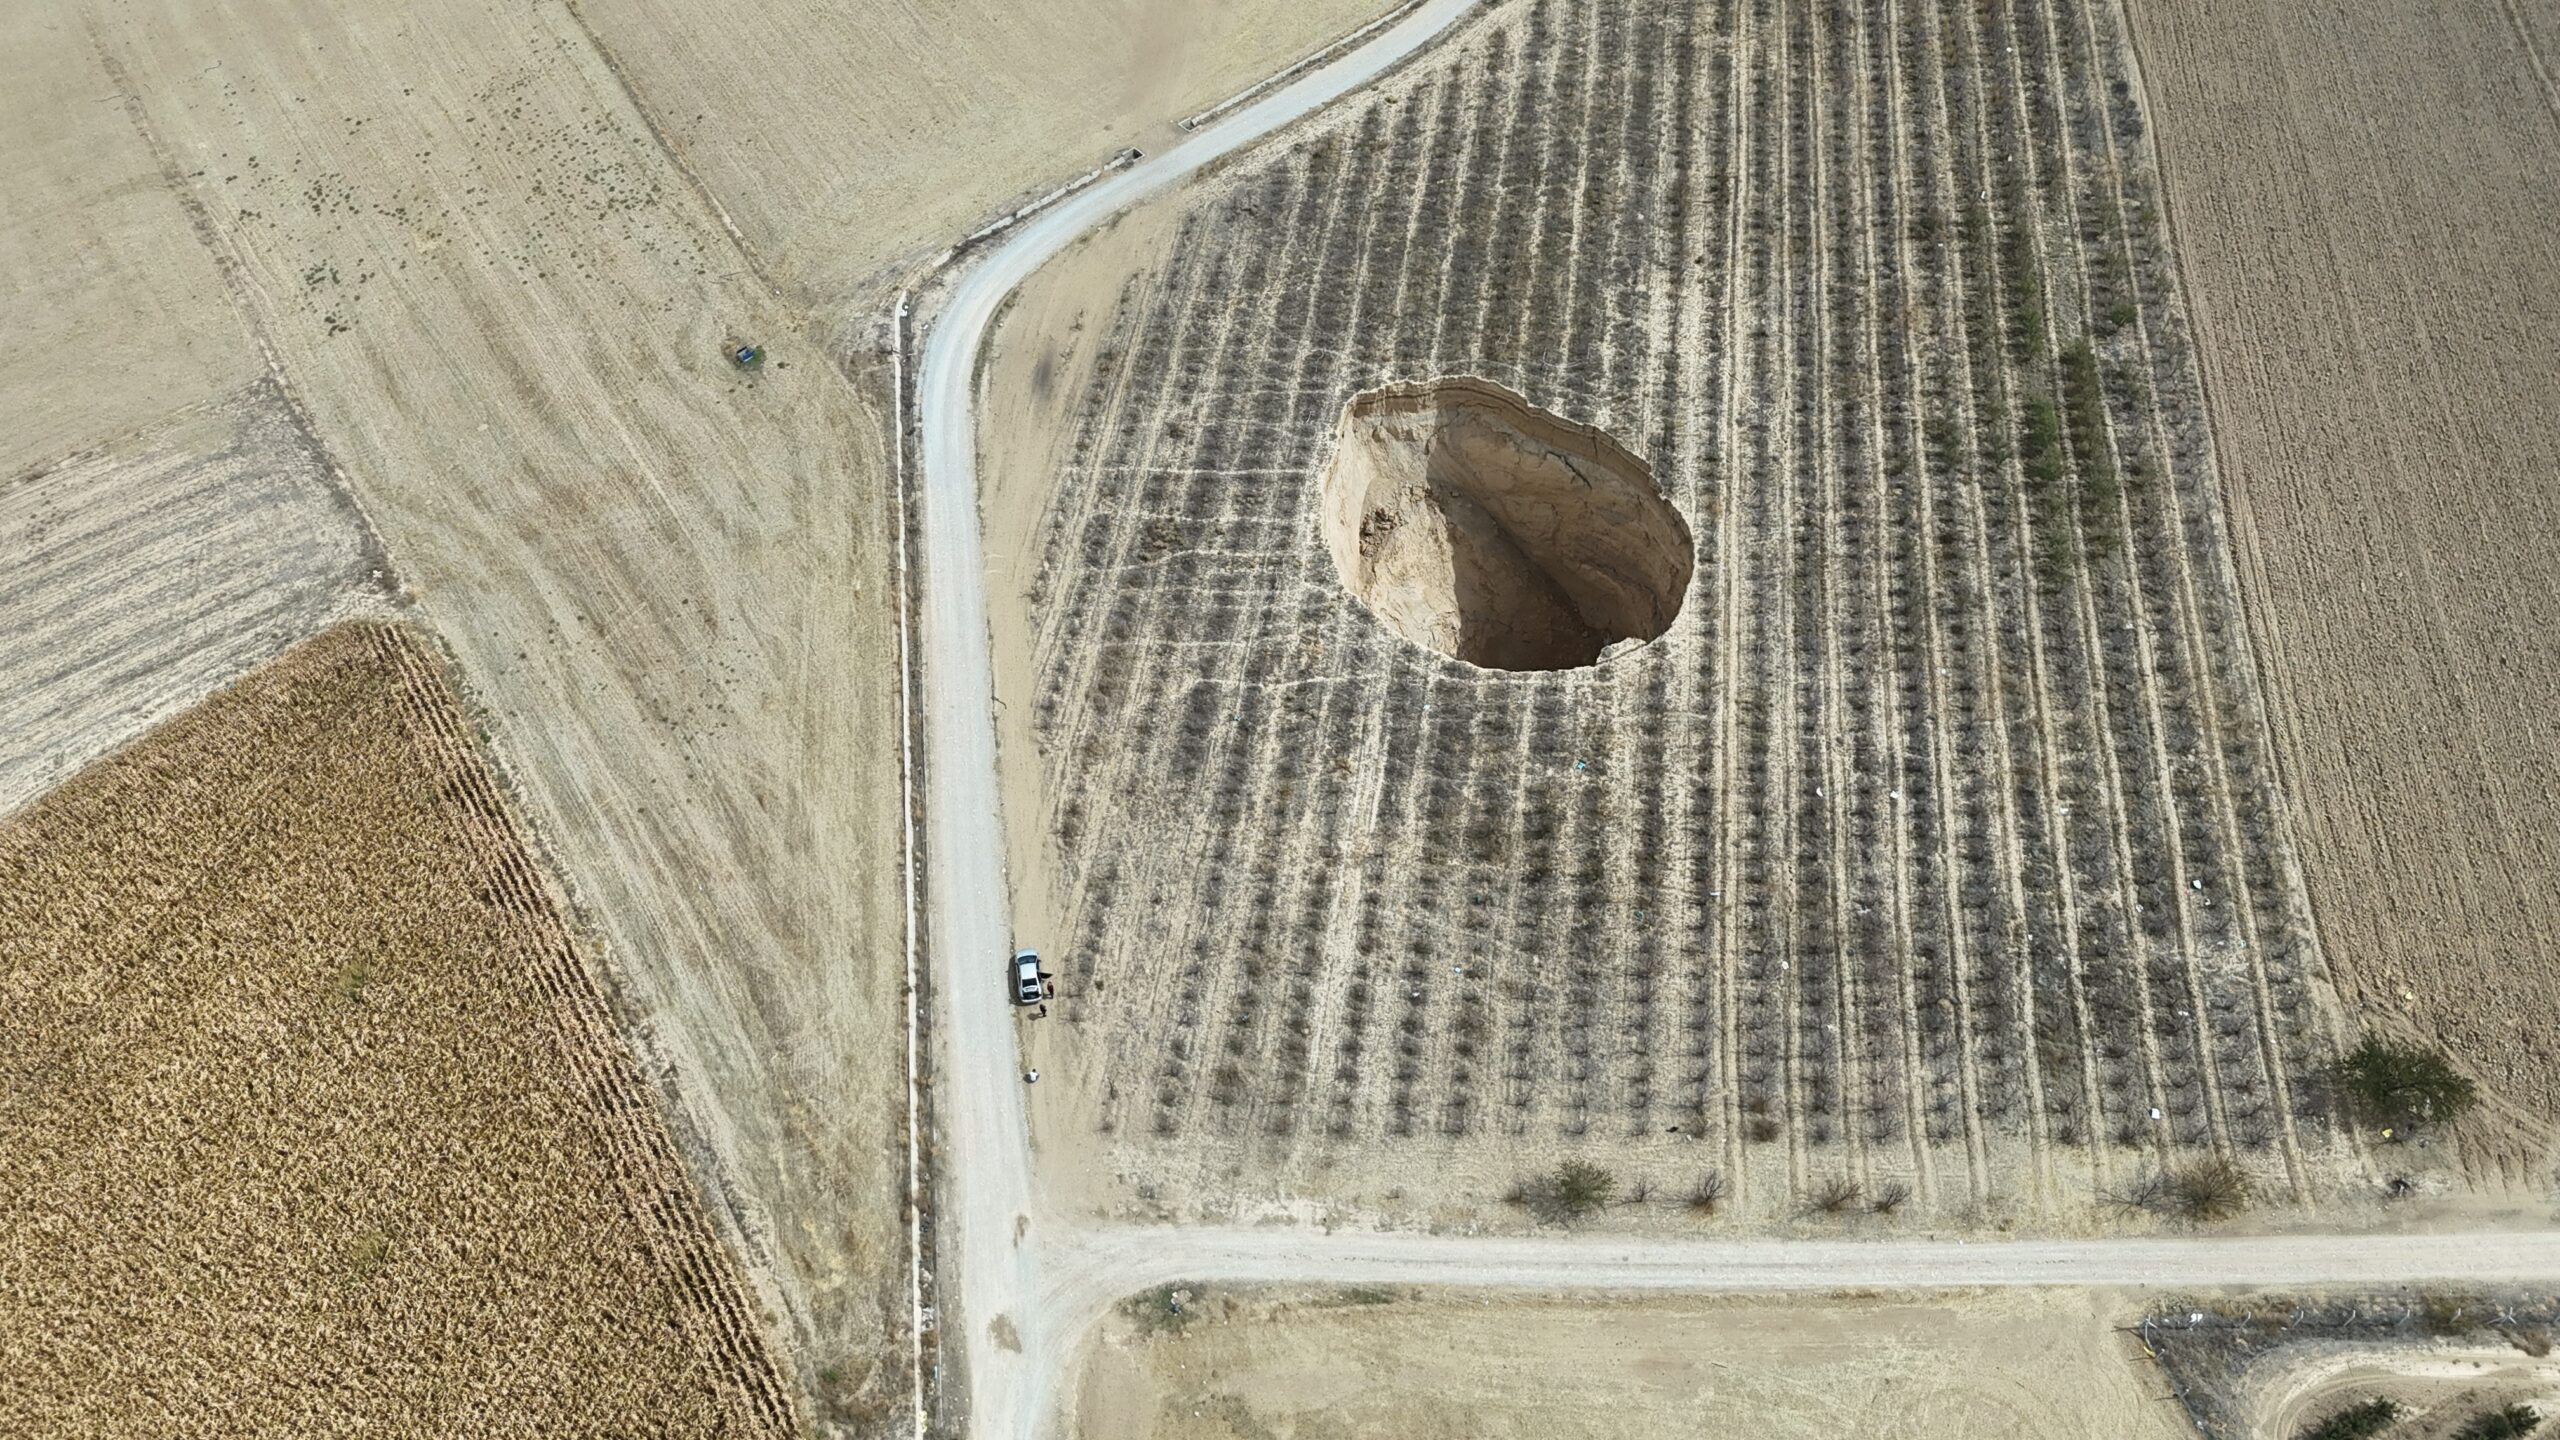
[496,298]
[1472,521]
[1392,1362]
[2440,1387]
[504,310]
[837,141]
[147,573]
[316,1122]
[117,315]
[2369,217]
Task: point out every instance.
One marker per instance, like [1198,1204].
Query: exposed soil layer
[1476,523]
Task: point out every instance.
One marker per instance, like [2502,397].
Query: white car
[1029,986]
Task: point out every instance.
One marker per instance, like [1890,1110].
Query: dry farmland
[1933,846]
[1385,1362]
[493,252]
[2369,217]
[146,573]
[317,1122]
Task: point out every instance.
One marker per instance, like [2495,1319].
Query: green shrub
[1575,1190]
[2356,1422]
[2393,1084]
[2512,1423]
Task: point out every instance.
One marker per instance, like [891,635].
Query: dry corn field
[316,1123]
[1935,844]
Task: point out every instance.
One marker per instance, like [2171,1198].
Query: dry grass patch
[315,1121]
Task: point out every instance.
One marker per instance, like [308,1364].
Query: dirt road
[1087,1273]
[990,1219]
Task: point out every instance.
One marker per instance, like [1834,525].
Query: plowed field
[2369,217]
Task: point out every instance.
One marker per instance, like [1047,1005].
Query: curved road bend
[1024,1296]
[989,1225]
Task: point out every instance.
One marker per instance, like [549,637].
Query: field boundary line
[698,1259]
[242,292]
[906,858]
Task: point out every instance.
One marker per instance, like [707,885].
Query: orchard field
[1934,847]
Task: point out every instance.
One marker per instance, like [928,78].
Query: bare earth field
[2368,214]
[316,1122]
[1252,1366]
[117,316]
[836,144]
[145,574]
[503,309]
[1934,850]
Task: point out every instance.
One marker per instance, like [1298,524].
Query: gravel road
[991,1229]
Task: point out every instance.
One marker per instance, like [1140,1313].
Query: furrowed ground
[317,1122]
[2369,221]
[1933,849]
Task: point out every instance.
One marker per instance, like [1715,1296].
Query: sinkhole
[1469,520]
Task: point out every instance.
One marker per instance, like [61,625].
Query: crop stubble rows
[323,1122]
[1936,841]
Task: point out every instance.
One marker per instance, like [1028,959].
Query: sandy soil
[2369,217]
[1393,1362]
[146,573]
[835,146]
[117,316]
[317,1124]
[496,299]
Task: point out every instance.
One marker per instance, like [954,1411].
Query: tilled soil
[2369,220]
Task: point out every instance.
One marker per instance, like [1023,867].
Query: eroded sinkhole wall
[1472,521]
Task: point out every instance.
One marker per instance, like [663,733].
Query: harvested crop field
[1428,1366]
[317,1123]
[1934,846]
[2369,220]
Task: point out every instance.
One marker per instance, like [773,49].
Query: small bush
[2392,1084]
[1836,1195]
[2444,1315]
[1707,1194]
[1574,1191]
[2356,1422]
[2512,1423]
[2215,1188]
[1889,1197]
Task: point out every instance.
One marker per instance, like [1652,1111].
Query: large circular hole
[1472,521]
